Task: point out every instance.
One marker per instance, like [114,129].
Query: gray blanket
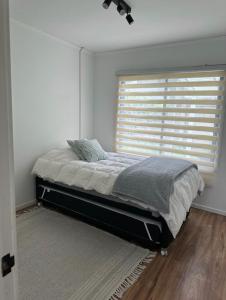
[151,181]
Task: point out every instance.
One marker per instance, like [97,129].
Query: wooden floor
[195,268]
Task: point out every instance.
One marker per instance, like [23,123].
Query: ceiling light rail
[122,8]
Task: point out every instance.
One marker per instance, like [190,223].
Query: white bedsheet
[62,165]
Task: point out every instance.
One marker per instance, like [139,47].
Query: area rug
[61,258]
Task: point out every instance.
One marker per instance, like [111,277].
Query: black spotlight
[106,4]
[129,19]
[121,10]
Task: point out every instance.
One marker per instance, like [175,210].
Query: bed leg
[39,201]
[164,252]
[39,204]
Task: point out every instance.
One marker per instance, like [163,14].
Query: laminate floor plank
[195,268]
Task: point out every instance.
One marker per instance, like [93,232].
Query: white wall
[45,88]
[87,94]
[209,51]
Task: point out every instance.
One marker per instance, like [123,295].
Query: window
[174,113]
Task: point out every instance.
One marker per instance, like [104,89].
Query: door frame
[8,284]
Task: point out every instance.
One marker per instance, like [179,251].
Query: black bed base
[131,223]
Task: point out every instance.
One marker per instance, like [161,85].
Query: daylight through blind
[174,113]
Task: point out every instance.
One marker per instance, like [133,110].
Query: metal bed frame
[139,226]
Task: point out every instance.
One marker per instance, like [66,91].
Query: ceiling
[86,23]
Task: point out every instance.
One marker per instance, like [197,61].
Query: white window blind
[172,114]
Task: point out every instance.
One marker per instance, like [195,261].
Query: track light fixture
[106,4]
[122,8]
[129,19]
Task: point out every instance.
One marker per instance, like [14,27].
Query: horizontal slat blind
[172,114]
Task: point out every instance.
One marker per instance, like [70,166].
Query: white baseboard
[25,204]
[209,209]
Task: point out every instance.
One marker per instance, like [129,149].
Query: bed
[85,190]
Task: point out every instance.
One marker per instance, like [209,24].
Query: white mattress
[62,165]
